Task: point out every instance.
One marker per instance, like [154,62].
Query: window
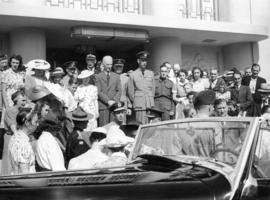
[261,160]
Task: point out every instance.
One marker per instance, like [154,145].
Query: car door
[261,164]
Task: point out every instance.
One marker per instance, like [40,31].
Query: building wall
[237,55]
[4,43]
[204,56]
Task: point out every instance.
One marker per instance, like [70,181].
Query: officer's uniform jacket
[163,94]
[141,89]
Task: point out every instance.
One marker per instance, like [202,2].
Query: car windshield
[219,140]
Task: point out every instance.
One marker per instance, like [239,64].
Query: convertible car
[213,158]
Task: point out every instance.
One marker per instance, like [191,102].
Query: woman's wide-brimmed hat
[265,88]
[80,115]
[38,64]
[58,71]
[37,92]
[116,138]
[85,73]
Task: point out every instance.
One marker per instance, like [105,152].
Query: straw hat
[265,88]
[38,64]
[116,138]
[37,92]
[80,115]
[58,71]
[85,73]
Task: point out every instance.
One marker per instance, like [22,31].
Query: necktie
[108,78]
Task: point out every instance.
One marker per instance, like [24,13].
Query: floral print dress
[14,81]
[87,96]
[21,152]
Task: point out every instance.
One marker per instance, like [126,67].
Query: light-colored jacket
[141,89]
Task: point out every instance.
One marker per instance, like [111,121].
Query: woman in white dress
[87,96]
[199,84]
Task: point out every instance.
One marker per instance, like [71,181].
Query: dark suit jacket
[257,96]
[108,91]
[242,96]
[220,81]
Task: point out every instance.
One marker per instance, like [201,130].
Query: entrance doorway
[58,56]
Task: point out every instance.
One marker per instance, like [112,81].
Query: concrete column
[30,43]
[238,55]
[237,11]
[164,49]
[261,16]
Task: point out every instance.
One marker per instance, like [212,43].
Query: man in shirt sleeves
[109,90]
[254,82]
[141,88]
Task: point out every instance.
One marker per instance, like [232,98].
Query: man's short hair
[163,65]
[203,98]
[237,72]
[255,65]
[96,136]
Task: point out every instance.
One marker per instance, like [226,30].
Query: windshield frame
[178,121]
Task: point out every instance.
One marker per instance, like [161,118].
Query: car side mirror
[250,188]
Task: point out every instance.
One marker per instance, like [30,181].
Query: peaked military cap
[143,55]
[90,56]
[119,61]
[153,113]
[117,107]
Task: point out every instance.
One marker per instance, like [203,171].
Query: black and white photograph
[134,100]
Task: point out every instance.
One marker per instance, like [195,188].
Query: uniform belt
[170,98]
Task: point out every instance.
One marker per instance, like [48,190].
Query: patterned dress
[87,96]
[13,81]
[21,152]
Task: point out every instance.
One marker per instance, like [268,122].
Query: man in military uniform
[118,66]
[163,94]
[72,71]
[141,87]
[153,115]
[91,60]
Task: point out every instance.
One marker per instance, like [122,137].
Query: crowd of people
[64,118]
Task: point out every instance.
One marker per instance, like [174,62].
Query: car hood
[153,177]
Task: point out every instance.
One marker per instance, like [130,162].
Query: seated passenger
[115,142]
[48,152]
[118,111]
[21,154]
[94,155]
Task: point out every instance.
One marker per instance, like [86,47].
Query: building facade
[206,33]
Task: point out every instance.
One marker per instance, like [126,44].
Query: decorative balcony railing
[199,9]
[119,6]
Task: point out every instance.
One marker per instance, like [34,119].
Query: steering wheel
[231,160]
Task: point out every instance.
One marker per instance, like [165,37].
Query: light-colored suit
[107,91]
[141,90]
